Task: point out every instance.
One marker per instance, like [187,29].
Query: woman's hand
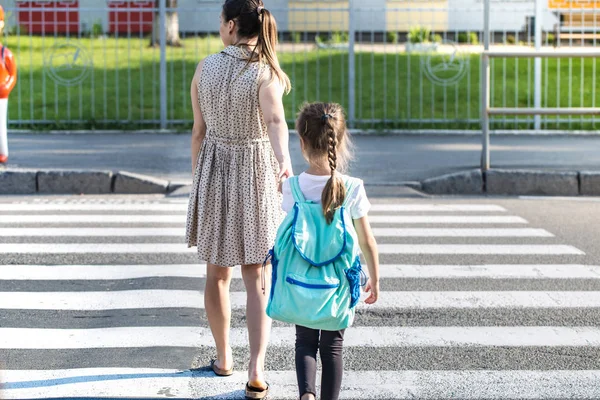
[285,171]
[373,289]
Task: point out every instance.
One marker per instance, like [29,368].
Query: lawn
[120,85]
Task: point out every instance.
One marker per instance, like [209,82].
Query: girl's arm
[271,103]
[368,245]
[199,128]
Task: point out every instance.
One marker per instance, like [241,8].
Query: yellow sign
[573,4]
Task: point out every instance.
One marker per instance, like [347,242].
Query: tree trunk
[172,21]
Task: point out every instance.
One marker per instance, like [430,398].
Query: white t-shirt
[312,188]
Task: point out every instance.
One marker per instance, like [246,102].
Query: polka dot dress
[234,207]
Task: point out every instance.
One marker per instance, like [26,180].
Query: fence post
[162,25]
[537,82]
[485,117]
[351,64]
[485,90]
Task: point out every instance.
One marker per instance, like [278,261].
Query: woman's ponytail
[334,192]
[254,20]
[267,45]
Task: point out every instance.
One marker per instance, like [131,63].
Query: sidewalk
[380,160]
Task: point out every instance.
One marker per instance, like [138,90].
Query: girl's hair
[254,20]
[322,127]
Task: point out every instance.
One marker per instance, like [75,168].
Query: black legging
[330,345]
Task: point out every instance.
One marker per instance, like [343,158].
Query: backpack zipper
[311,285]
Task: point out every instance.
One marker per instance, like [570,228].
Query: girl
[325,145]
[239,154]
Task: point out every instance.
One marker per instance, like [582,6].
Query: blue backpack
[316,269]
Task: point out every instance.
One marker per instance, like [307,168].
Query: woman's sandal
[256,393]
[220,372]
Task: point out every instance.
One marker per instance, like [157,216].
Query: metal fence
[393,64]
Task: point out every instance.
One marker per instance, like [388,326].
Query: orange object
[8,67]
[3,158]
[573,4]
[8,72]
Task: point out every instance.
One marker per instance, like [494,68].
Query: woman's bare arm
[270,97]
[199,128]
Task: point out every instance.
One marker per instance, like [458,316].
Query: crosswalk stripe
[194,337]
[151,383]
[477,249]
[97,232]
[181,207]
[92,218]
[162,298]
[446,219]
[133,271]
[458,232]
[153,248]
[180,219]
[180,232]
[506,271]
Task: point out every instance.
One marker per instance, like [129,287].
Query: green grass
[122,87]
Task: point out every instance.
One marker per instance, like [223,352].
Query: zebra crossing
[103,299]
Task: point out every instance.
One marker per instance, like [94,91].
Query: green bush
[419,34]
[468,37]
[296,37]
[97,28]
[392,37]
[338,37]
[550,38]
[511,39]
[334,38]
[436,38]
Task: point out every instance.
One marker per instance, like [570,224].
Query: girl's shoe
[220,372]
[256,393]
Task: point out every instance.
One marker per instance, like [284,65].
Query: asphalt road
[379,159]
[508,307]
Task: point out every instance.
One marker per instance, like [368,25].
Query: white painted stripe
[180,232]
[183,206]
[458,232]
[158,298]
[490,249]
[507,271]
[446,219]
[167,207]
[154,248]
[81,232]
[437,207]
[194,337]
[103,272]
[104,248]
[151,383]
[180,218]
[118,272]
[92,218]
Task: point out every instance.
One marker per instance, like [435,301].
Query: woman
[239,155]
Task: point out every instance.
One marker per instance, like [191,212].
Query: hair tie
[324,117]
[260,10]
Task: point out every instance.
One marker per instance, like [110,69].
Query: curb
[506,182]
[509,182]
[57,181]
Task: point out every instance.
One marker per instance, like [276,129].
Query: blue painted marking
[100,378]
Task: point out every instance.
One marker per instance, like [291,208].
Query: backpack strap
[296,192]
[350,186]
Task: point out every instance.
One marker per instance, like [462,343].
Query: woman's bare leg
[218,311]
[259,324]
